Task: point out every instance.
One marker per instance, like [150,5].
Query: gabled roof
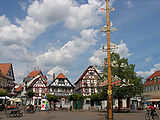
[3,76]
[34,73]
[155,74]
[4,67]
[86,72]
[61,76]
[33,82]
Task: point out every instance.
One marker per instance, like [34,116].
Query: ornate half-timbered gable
[87,83]
[62,88]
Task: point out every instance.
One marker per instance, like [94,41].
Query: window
[35,102]
[63,90]
[39,101]
[4,84]
[91,73]
[85,81]
[92,90]
[67,101]
[86,90]
[43,90]
[61,81]
[59,90]
[37,90]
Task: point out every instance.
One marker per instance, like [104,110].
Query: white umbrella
[2,98]
[5,97]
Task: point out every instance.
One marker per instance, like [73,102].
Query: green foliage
[76,97]
[3,92]
[125,72]
[30,94]
[102,95]
[51,98]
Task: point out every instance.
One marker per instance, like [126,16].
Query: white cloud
[69,51]
[83,16]
[23,5]
[41,14]
[148,59]
[15,39]
[123,50]
[129,3]
[98,56]
[56,70]
[146,74]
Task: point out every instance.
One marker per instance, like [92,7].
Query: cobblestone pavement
[77,115]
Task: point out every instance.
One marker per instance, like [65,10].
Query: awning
[153,100]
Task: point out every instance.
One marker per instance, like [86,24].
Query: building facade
[61,87]
[152,88]
[87,85]
[7,71]
[35,82]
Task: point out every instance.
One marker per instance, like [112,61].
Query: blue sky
[64,36]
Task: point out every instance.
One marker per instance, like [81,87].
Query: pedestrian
[47,107]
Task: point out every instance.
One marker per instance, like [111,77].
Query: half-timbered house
[7,71]
[61,87]
[37,83]
[87,85]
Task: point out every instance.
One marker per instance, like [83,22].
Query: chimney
[53,76]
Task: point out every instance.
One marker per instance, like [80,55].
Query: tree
[76,97]
[130,84]
[52,98]
[3,92]
[100,96]
[30,95]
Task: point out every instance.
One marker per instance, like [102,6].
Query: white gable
[61,82]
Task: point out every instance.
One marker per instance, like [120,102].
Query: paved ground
[77,115]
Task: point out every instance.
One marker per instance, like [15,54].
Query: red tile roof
[61,76]
[4,67]
[19,88]
[3,76]
[34,73]
[155,74]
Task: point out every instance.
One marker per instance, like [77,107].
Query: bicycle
[149,117]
